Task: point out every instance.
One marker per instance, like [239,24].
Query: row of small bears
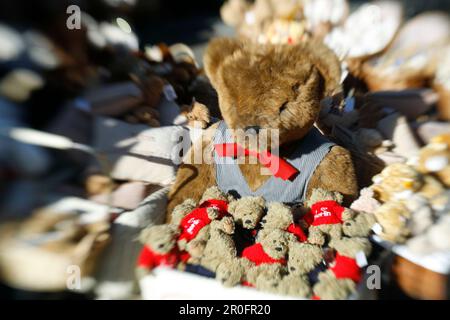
[316,251]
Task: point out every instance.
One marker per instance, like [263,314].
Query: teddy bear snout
[279,249]
[292,268]
[248,221]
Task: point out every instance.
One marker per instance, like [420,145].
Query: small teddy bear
[294,286]
[303,258]
[272,249]
[213,205]
[326,216]
[159,248]
[279,216]
[265,277]
[392,218]
[340,280]
[233,272]
[220,246]
[359,226]
[247,211]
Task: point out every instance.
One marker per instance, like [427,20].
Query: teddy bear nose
[161,246]
[252,128]
[248,221]
[278,249]
[292,269]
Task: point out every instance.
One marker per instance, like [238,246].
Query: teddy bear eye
[283,106]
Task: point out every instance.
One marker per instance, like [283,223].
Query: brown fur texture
[273,87]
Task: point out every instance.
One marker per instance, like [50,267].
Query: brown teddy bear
[247,211]
[344,273]
[326,216]
[160,248]
[265,88]
[272,249]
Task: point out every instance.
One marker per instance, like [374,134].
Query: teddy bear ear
[216,52]
[326,61]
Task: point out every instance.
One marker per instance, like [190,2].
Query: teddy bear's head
[181,210]
[319,194]
[247,211]
[214,193]
[276,243]
[359,226]
[303,257]
[279,216]
[271,87]
[160,238]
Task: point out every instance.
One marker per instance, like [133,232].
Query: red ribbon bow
[280,168]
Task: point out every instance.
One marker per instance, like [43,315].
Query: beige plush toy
[303,258]
[400,181]
[272,249]
[159,248]
[278,217]
[220,246]
[359,226]
[295,286]
[247,211]
[265,277]
[233,272]
[194,221]
[434,159]
[392,218]
[340,280]
[326,216]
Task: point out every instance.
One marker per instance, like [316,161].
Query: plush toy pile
[316,251]
[411,200]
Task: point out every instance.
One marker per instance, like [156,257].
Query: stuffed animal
[366,201]
[326,216]
[271,250]
[303,258]
[360,225]
[280,217]
[247,211]
[233,272]
[434,159]
[392,218]
[400,181]
[294,286]
[265,277]
[213,205]
[340,280]
[159,248]
[261,89]
[220,246]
